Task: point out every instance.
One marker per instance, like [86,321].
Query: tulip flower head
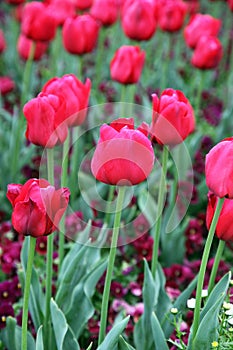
[224,228]
[105,11]
[37,207]
[74,92]
[127,63]
[200,25]
[207,53]
[173,118]
[171,15]
[24,45]
[123,155]
[219,169]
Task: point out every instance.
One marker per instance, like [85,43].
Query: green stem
[108,207]
[73,183]
[204,261]
[80,67]
[65,158]
[99,58]
[56,50]
[199,87]
[49,262]
[161,197]
[214,270]
[112,254]
[32,244]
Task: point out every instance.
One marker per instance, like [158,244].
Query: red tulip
[105,11]
[224,228]
[230,4]
[61,10]
[138,20]
[37,207]
[83,4]
[24,47]
[219,169]
[15,2]
[45,116]
[74,92]
[200,25]
[2,42]
[173,117]
[123,155]
[207,53]
[37,22]
[126,65]
[6,85]
[171,15]
[80,34]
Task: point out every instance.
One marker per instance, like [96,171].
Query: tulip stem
[200,84]
[65,158]
[201,275]
[49,262]
[80,68]
[99,58]
[108,206]
[73,183]
[161,197]
[111,260]
[214,270]
[32,244]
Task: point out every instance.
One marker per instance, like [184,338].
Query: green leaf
[70,341]
[8,333]
[123,345]
[163,304]
[39,339]
[60,325]
[112,338]
[158,335]
[147,206]
[208,328]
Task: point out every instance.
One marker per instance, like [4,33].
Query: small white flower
[204,293]
[191,303]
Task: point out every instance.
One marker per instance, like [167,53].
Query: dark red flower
[105,11]
[6,85]
[24,46]
[208,52]
[5,311]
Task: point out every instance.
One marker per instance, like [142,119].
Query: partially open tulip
[127,63]
[219,169]
[200,25]
[224,228]
[24,46]
[173,117]
[46,124]
[123,155]
[2,42]
[171,15]
[105,11]
[80,34]
[74,92]
[138,19]
[207,53]
[37,207]
[37,22]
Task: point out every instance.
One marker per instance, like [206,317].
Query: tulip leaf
[208,328]
[112,338]
[158,335]
[37,297]
[163,304]
[39,339]
[60,325]
[70,341]
[147,206]
[123,345]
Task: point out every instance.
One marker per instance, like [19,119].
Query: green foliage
[112,338]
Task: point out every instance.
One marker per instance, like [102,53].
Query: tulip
[198,26]
[15,2]
[2,42]
[230,4]
[219,169]
[105,11]
[74,92]
[83,4]
[61,10]
[123,156]
[6,85]
[46,124]
[171,15]
[80,34]
[37,22]
[173,117]
[138,20]
[37,207]
[224,228]
[24,47]
[127,63]
[208,53]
